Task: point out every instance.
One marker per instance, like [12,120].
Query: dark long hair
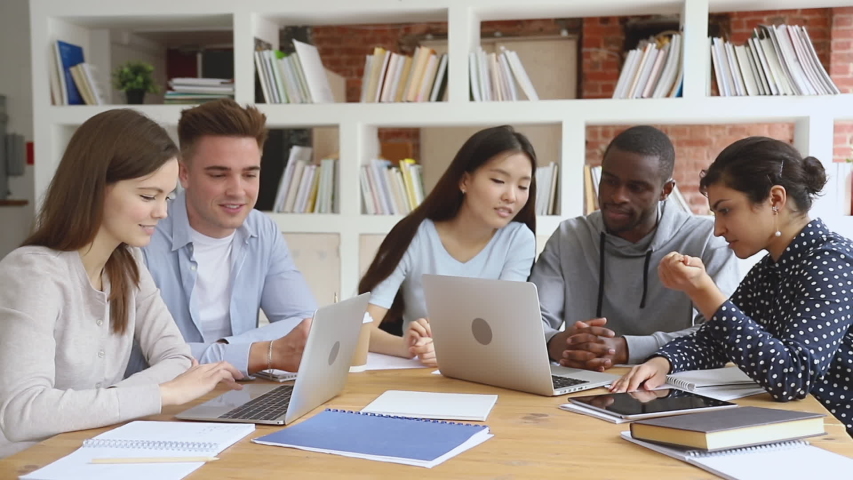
[444,202]
[753,165]
[112,146]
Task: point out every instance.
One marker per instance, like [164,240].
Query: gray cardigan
[61,368]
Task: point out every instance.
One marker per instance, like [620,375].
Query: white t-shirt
[508,256]
[212,294]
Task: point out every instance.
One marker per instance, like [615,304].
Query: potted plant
[135,79]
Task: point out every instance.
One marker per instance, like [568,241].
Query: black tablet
[647,404]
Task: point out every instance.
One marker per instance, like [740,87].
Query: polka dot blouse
[787,325]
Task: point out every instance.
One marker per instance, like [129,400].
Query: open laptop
[490,331]
[322,374]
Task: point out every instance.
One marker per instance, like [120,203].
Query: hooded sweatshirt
[577,280]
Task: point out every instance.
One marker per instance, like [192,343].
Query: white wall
[15,83]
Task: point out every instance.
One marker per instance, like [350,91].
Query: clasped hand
[590,346]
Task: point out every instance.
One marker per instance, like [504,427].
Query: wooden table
[533,439]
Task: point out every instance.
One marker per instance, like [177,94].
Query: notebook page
[215,436]
[142,439]
[444,406]
[786,460]
[693,379]
[799,462]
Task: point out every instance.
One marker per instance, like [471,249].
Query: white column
[694,23]
[463,37]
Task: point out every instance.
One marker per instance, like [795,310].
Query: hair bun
[814,175]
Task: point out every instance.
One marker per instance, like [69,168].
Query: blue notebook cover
[70,55]
[374,434]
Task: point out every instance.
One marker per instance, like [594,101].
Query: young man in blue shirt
[216,260]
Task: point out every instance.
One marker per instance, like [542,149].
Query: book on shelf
[499,76]
[145,440]
[652,70]
[84,75]
[787,459]
[188,90]
[546,189]
[67,55]
[305,187]
[394,77]
[391,190]
[732,428]
[777,60]
[383,438]
[297,77]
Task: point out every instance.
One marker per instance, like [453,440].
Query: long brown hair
[111,146]
[444,202]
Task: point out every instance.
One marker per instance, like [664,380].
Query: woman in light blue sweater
[478,221]
[77,295]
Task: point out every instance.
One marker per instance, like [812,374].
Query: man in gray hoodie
[601,269]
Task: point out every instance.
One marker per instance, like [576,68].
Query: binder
[782,460]
[409,441]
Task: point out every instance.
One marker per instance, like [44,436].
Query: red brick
[840,21]
[841,45]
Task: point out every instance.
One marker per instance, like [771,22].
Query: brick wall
[695,149]
[841,71]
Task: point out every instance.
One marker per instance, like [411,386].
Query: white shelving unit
[87,23]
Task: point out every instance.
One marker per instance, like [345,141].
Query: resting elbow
[15,429]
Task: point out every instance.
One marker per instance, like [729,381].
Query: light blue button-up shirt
[263,276]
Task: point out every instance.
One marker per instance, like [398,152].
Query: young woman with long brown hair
[478,221]
[76,295]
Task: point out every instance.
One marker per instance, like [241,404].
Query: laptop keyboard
[268,406]
[563,382]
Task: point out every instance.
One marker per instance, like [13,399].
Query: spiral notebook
[410,441]
[691,380]
[145,439]
[795,459]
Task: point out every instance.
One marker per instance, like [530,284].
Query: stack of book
[393,77]
[652,70]
[546,189]
[499,77]
[777,60]
[746,443]
[306,187]
[391,190]
[198,90]
[297,77]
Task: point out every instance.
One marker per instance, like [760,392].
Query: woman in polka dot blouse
[788,323]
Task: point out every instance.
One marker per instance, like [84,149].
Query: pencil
[154,460]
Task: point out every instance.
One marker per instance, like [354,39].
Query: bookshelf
[85,22]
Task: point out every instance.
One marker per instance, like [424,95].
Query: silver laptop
[490,331]
[322,374]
